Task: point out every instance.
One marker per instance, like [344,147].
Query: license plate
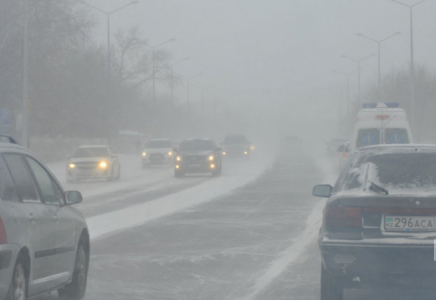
[410,223]
[194,165]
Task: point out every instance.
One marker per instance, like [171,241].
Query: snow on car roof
[398,148]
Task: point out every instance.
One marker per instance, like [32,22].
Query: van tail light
[335,216]
[3,238]
[345,154]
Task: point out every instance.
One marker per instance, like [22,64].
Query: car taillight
[335,216]
[345,155]
[3,238]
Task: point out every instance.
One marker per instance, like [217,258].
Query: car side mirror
[322,190]
[73,197]
[175,149]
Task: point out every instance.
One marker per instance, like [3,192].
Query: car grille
[86,166]
[157,157]
[195,158]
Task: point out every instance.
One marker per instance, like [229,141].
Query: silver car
[157,151]
[93,162]
[44,241]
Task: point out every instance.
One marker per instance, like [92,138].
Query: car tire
[331,288]
[76,289]
[19,284]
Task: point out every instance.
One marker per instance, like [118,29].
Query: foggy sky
[279,51]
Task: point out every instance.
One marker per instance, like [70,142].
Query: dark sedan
[198,156]
[379,223]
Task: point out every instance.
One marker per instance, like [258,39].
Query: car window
[367,137]
[7,187]
[158,144]
[197,145]
[236,139]
[396,136]
[91,152]
[49,190]
[23,179]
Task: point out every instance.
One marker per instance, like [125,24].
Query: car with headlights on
[236,145]
[44,240]
[157,152]
[93,162]
[198,156]
[379,222]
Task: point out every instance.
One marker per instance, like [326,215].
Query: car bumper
[8,256]
[158,160]
[88,174]
[381,263]
[203,167]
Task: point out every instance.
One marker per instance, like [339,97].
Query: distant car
[93,162]
[157,151]
[236,145]
[379,223]
[44,240]
[198,156]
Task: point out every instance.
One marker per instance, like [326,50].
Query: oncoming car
[157,151]
[93,162]
[236,145]
[379,223]
[44,241]
[198,156]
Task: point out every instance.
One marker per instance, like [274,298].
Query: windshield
[410,172]
[91,152]
[158,144]
[196,145]
[237,139]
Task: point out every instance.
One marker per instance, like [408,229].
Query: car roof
[396,148]
[4,147]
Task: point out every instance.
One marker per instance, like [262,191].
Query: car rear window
[396,136]
[367,137]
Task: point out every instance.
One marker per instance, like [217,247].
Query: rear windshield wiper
[378,189]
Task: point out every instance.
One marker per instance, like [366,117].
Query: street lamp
[172,77]
[358,61]
[378,47]
[154,65]
[187,92]
[25,112]
[108,14]
[412,60]
[347,76]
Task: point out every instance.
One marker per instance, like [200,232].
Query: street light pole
[153,63]
[187,93]
[358,61]
[172,78]
[25,112]
[378,50]
[108,14]
[347,76]
[412,59]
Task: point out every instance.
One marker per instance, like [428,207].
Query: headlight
[224,153]
[212,166]
[144,154]
[103,165]
[179,158]
[245,152]
[72,166]
[170,153]
[211,158]
[252,147]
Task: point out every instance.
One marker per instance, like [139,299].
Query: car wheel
[18,287]
[76,289]
[331,289]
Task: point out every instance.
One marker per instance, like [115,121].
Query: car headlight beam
[103,164]
[211,158]
[72,166]
[178,158]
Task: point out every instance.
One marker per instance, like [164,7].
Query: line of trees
[70,92]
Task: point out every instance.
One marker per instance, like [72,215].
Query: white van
[380,123]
